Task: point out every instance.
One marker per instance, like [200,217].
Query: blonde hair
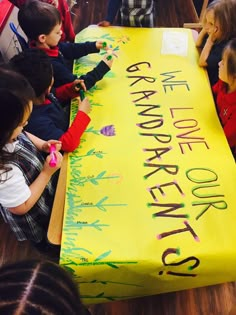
[225,15]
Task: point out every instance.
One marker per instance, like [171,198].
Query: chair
[197,17]
[24,45]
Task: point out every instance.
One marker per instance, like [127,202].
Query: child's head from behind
[16,95]
[35,65]
[41,22]
[227,66]
[220,18]
[38,287]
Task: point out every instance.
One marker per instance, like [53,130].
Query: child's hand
[104,23]
[78,85]
[49,169]
[108,59]
[47,144]
[85,106]
[100,44]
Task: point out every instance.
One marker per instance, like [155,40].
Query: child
[219,27]
[67,29]
[48,119]
[41,23]
[27,184]
[131,13]
[38,287]
[225,93]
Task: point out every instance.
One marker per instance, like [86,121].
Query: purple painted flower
[108,131]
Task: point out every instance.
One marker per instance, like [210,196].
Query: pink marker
[53,161]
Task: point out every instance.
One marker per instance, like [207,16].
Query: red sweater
[71,137]
[68,33]
[226,106]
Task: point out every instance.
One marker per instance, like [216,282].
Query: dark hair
[230,49]
[36,66]
[38,287]
[15,96]
[225,14]
[37,18]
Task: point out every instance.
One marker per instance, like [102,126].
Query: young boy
[68,34]
[48,119]
[131,13]
[41,23]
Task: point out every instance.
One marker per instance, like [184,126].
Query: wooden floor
[213,300]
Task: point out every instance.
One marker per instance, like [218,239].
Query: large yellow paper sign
[150,201]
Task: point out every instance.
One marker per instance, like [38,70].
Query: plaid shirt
[33,224]
[139,13]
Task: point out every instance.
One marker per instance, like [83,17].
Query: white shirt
[13,190]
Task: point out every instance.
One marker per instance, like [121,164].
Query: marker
[104,45]
[81,94]
[53,161]
[109,57]
[81,91]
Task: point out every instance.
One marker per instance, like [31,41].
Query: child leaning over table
[67,29]
[131,13]
[41,23]
[225,93]
[218,28]
[48,119]
[27,182]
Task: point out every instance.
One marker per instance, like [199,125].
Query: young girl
[225,93]
[219,27]
[27,184]
[131,13]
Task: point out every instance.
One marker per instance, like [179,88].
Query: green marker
[109,57]
[81,91]
[81,94]
[104,45]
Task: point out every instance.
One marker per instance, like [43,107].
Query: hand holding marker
[104,45]
[52,150]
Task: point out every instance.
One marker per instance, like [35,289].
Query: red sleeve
[66,92]
[71,138]
[67,26]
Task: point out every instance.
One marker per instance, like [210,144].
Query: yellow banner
[150,201]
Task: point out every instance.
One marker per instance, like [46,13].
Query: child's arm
[71,138]
[72,51]
[90,78]
[201,37]
[205,52]
[38,186]
[113,8]
[69,91]
[43,145]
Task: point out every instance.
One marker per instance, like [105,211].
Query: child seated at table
[68,34]
[41,23]
[48,119]
[27,181]
[225,93]
[218,28]
[131,13]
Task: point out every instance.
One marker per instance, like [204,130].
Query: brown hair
[38,287]
[230,50]
[37,18]
[225,15]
